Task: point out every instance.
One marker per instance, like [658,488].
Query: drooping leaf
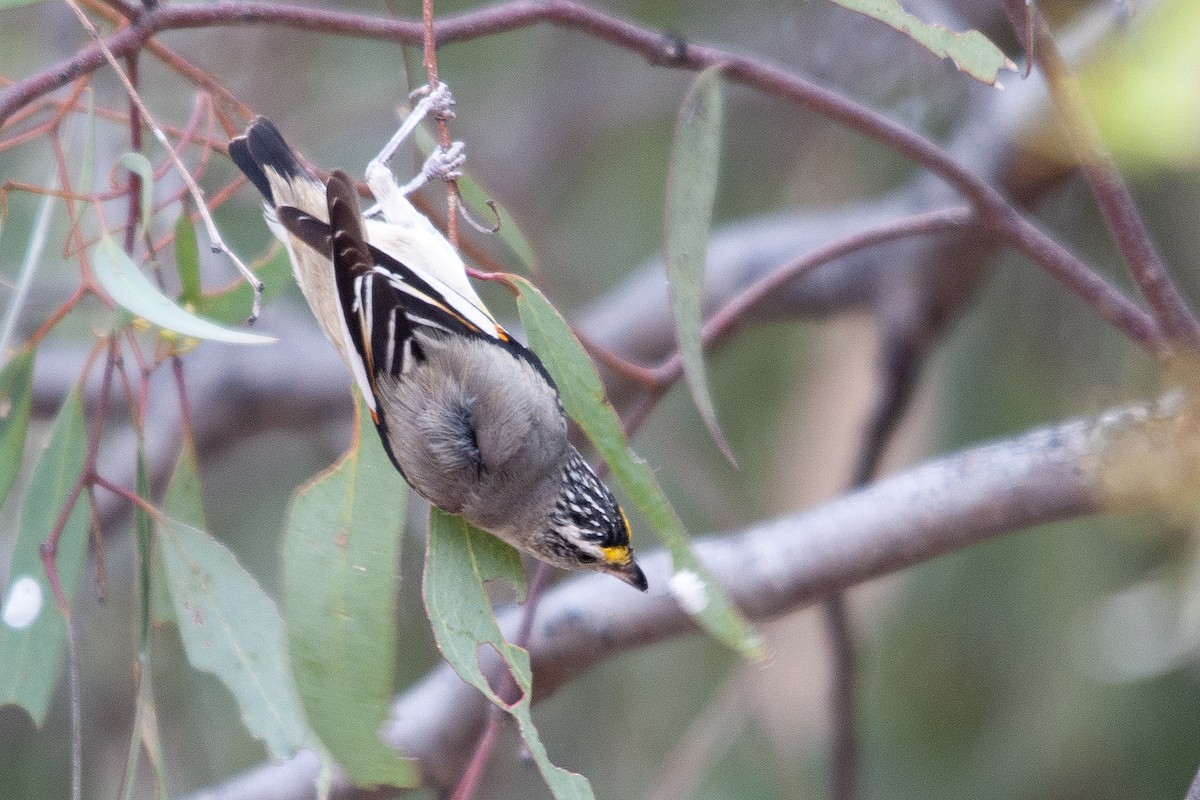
[583,398]
[145,735]
[971,52]
[691,191]
[34,248]
[341,576]
[230,627]
[16,402]
[152,599]
[229,305]
[140,166]
[458,561]
[32,632]
[133,291]
[187,261]
[144,528]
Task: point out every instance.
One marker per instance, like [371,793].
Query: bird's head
[589,524]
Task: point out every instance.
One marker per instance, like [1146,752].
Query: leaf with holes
[971,52]
[458,561]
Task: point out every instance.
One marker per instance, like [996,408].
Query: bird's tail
[271,165]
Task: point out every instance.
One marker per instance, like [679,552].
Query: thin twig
[1112,195]
[721,325]
[996,213]
[215,241]
[429,54]
[844,765]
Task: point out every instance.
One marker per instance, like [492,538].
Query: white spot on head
[689,591]
[23,604]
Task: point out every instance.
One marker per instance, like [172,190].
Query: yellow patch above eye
[619,556]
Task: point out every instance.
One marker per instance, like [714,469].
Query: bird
[467,414]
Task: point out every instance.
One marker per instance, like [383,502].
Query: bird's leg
[442,163]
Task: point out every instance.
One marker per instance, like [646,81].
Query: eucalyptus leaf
[140,166]
[583,398]
[458,561]
[133,291]
[341,557]
[16,403]
[230,627]
[971,52]
[691,191]
[32,632]
[187,261]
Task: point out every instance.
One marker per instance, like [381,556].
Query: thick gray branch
[774,567]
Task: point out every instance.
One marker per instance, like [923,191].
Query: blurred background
[1053,663]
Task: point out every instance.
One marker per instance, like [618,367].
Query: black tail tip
[263,147]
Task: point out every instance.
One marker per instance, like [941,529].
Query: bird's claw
[439,101]
[445,162]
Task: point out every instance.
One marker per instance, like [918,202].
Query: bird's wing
[383,301]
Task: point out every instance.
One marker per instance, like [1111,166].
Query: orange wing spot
[460,318]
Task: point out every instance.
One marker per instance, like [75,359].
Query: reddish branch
[1108,187]
[1171,323]
[994,211]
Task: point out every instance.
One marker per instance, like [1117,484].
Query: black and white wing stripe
[382,300]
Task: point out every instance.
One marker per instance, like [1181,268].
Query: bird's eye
[586,558]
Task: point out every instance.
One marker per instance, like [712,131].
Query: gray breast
[476,430]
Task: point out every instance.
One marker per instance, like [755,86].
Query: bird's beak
[632,574]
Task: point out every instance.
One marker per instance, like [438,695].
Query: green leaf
[187,261]
[229,306]
[971,52]
[144,530]
[341,576]
[16,401]
[228,624]
[583,398]
[32,632]
[458,561]
[184,502]
[140,166]
[133,291]
[691,191]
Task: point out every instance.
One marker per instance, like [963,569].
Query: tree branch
[777,566]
